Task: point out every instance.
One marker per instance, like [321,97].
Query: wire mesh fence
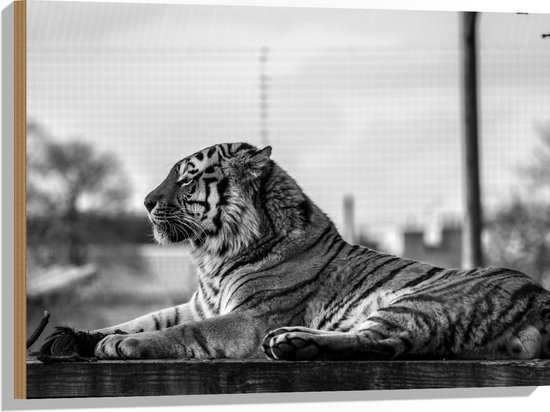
[357,104]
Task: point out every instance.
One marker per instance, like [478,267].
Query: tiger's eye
[184,181]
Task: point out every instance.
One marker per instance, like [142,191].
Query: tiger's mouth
[175,229]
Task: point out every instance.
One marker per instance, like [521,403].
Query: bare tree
[66,179]
[538,172]
[518,235]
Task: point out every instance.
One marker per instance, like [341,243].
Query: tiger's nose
[150,202]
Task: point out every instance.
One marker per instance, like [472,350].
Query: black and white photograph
[244,199]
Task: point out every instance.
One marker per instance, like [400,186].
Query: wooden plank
[19,198]
[148,378]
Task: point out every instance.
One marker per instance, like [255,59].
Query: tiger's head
[209,198]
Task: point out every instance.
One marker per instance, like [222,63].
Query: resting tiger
[276,278]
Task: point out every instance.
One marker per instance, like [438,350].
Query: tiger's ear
[258,159]
[266,152]
[248,164]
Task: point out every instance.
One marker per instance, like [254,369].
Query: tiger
[276,280]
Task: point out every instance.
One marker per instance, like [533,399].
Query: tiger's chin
[163,237]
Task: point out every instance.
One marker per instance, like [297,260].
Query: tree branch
[39,329]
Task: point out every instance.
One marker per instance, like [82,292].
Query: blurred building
[445,251]
[349,234]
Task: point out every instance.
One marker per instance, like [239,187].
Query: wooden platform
[142,378]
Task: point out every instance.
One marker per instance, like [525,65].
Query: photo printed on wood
[226,199]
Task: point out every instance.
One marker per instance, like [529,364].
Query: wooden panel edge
[20,221]
[215,377]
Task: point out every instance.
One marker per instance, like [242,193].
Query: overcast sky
[358,102]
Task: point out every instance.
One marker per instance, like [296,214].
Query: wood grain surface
[143,378]
[19,198]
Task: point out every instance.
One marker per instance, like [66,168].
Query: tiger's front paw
[147,345]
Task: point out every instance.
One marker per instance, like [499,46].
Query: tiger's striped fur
[275,276]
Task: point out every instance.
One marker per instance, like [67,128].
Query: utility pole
[472,255]
[264,96]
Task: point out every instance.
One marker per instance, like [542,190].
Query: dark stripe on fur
[420,297]
[306,210]
[353,249]
[388,325]
[330,308]
[430,274]
[260,252]
[224,154]
[157,322]
[276,293]
[380,282]
[448,286]
[525,294]
[198,308]
[222,187]
[294,287]
[199,338]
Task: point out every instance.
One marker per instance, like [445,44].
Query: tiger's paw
[145,345]
[291,343]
